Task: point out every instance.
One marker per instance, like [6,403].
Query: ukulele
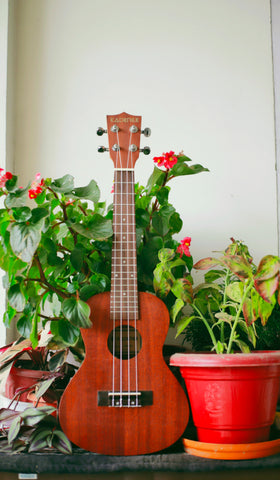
[124,400]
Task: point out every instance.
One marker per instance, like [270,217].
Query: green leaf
[269,267]
[88,291]
[224,317]
[166,254]
[24,326]
[17,198]
[24,240]
[182,289]
[40,440]
[77,312]
[213,275]
[90,192]
[162,281]
[67,332]
[14,429]
[175,223]
[157,178]
[34,332]
[160,224]
[11,183]
[16,298]
[265,309]
[38,214]
[22,214]
[149,255]
[98,228]
[43,386]
[235,291]
[183,323]
[267,288]
[64,184]
[57,360]
[31,416]
[162,195]
[176,308]
[142,217]
[61,442]
[206,263]
[77,258]
[183,169]
[238,265]
[219,347]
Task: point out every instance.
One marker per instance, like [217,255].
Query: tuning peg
[146,132]
[100,131]
[102,149]
[145,150]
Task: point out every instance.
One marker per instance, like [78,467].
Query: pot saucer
[231,451]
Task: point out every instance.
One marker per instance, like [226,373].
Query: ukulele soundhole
[124,342]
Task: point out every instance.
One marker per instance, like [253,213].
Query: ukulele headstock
[124,132]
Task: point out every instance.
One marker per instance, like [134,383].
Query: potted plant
[233,395]
[56,242]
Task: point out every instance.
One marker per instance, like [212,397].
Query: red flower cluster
[167,160]
[185,247]
[4,177]
[36,187]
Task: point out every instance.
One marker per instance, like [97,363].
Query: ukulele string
[121,218]
[129,214]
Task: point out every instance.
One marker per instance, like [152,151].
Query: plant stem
[210,331]
[224,302]
[249,286]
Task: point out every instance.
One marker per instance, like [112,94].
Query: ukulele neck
[124,294]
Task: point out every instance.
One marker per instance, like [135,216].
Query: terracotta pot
[21,378]
[233,397]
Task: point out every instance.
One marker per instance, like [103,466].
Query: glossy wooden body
[124,430]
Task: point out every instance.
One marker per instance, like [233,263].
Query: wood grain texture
[123,430]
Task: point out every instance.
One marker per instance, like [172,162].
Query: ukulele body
[124,430]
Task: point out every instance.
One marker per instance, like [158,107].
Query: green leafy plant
[235,294]
[56,242]
[32,430]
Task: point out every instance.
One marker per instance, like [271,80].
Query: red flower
[184,247]
[36,187]
[167,160]
[159,161]
[4,177]
[170,160]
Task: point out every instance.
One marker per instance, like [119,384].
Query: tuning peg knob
[102,149]
[146,132]
[100,131]
[145,150]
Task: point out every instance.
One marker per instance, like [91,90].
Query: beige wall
[198,71]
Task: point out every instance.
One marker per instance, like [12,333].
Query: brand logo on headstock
[125,120]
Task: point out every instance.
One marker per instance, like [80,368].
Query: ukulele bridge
[143,398]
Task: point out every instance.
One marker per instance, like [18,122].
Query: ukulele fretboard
[124,294]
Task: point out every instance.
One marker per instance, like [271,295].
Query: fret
[124,293]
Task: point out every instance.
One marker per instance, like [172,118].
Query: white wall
[200,74]
[3,108]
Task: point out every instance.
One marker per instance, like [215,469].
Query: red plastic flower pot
[233,397]
[20,379]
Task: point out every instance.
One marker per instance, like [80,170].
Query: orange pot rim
[231,451]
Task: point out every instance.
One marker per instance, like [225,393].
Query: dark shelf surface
[83,462]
